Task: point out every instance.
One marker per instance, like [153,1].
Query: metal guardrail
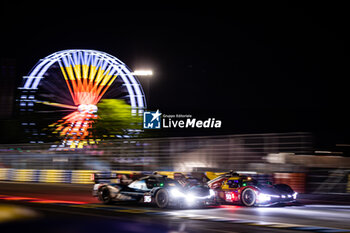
[183,154]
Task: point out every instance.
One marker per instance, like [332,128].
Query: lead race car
[154,189]
[234,188]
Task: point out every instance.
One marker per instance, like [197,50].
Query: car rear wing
[115,177]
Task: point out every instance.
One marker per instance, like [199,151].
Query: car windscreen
[171,183]
[161,182]
[263,185]
[251,183]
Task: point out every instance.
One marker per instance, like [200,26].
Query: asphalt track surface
[71,208]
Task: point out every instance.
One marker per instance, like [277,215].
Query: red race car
[239,189]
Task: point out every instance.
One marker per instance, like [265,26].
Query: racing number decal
[229,196]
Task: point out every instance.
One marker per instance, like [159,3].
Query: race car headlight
[295,195]
[190,199]
[211,193]
[262,197]
[176,193]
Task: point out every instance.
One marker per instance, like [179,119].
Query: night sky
[259,67]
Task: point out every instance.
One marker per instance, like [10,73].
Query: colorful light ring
[88,74]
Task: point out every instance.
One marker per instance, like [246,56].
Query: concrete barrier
[82,176]
[4,173]
[56,176]
[26,175]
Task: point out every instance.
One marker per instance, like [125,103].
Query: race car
[154,189]
[239,189]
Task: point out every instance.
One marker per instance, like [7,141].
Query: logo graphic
[151,120]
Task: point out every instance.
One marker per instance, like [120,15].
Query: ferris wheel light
[87,108]
[70,60]
[89,76]
[143,72]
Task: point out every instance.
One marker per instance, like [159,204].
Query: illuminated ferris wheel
[65,87]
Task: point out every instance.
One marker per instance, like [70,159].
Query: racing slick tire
[162,198]
[248,197]
[104,195]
